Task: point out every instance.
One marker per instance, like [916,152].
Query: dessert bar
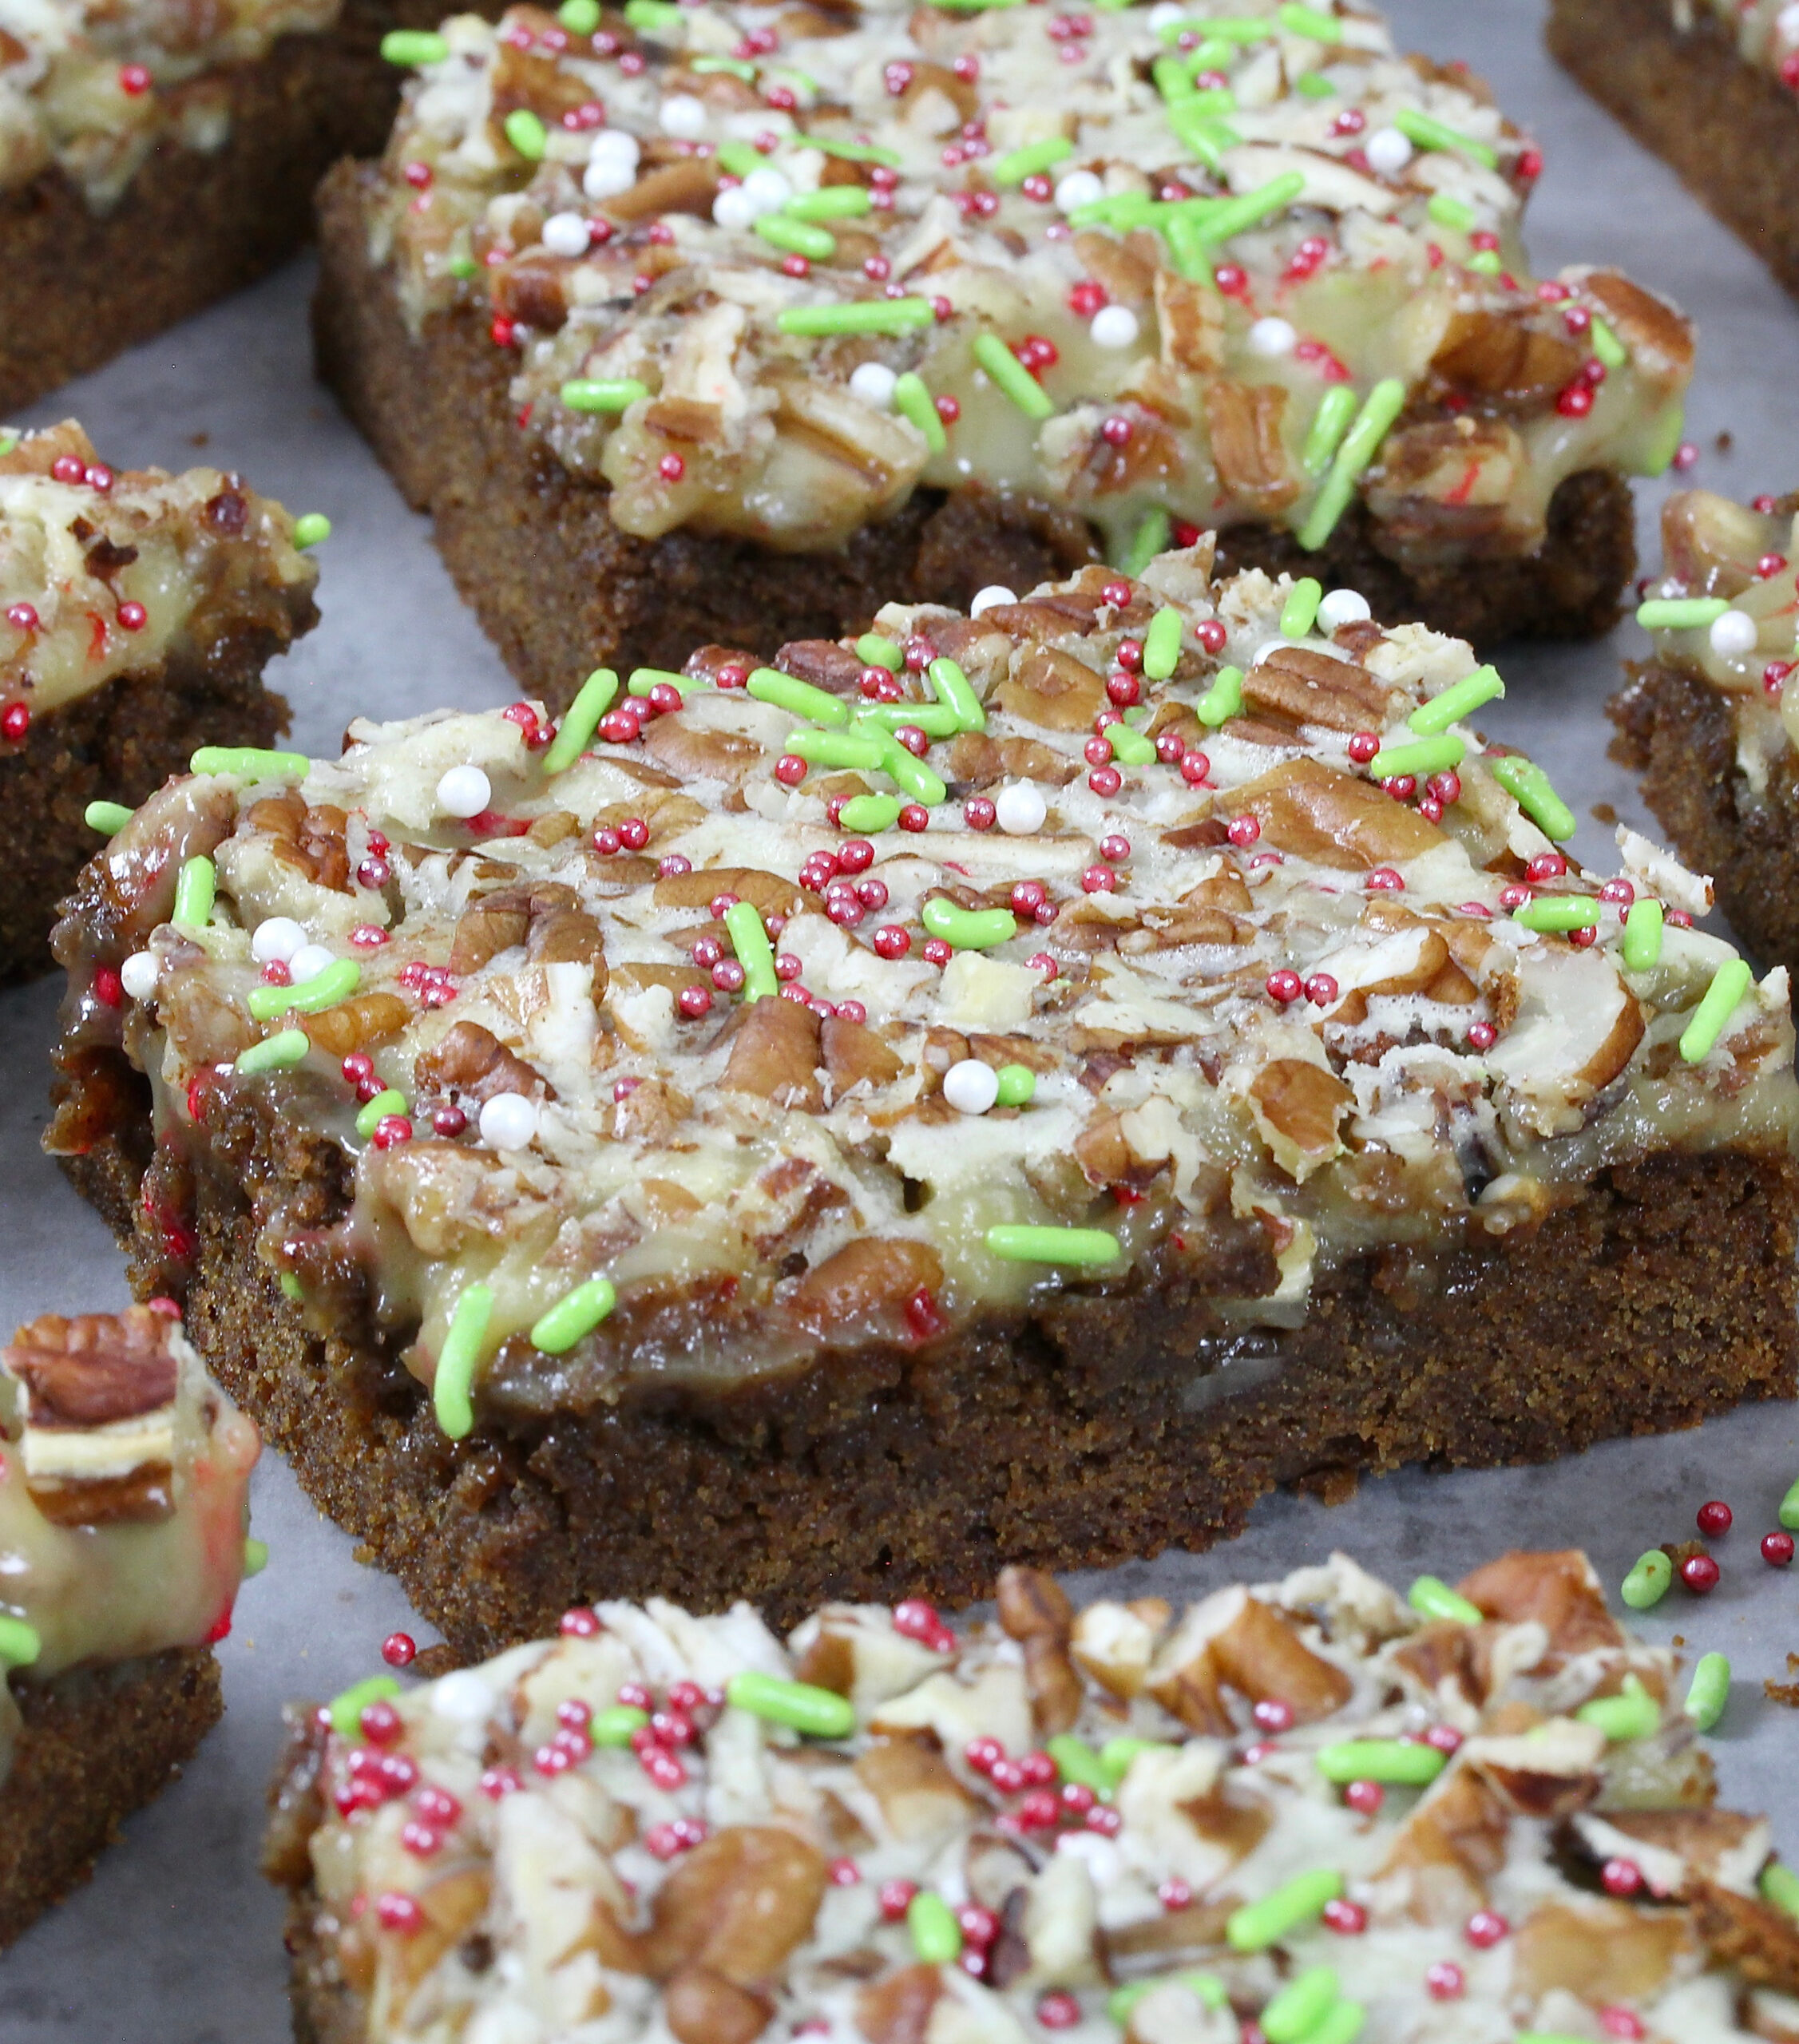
[1013,1088]
[1709,722]
[1712,86]
[123,1503]
[708,326]
[1304,1810]
[137,611]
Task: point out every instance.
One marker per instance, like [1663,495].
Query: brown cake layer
[1729,128]
[560,589]
[76,287]
[119,743]
[1072,1435]
[1675,730]
[98,1745]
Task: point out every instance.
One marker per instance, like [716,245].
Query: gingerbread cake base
[1729,128]
[1675,730]
[119,743]
[1074,1435]
[98,1745]
[559,589]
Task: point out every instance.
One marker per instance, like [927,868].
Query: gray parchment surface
[177,1941]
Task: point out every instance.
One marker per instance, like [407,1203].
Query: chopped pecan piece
[775,1053]
[95,1369]
[1035,1611]
[1559,1590]
[1049,688]
[867,1283]
[1308,687]
[365,1018]
[1244,422]
[1317,812]
[853,1053]
[472,1061]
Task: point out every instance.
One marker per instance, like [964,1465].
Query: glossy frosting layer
[1144,263]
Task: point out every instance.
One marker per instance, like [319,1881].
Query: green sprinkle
[194,892]
[1117,1755]
[256,1557]
[579,17]
[8,442]
[465,267]
[864,316]
[457,1359]
[291,1288]
[1431,1597]
[1015,1243]
[937,1937]
[1150,539]
[832,202]
[1012,378]
[20,1642]
[1161,644]
[1779,1885]
[310,527]
[1789,1512]
[287,1046]
[1379,409]
[1665,442]
[1299,613]
[967,930]
[1172,79]
[1634,1715]
[644,680]
[1300,2005]
[372,1113]
[1709,1691]
[526,133]
[108,817]
[1018,1085]
[1430,134]
[1486,262]
[653,14]
[802,1706]
[1529,787]
[250,762]
[346,1708]
[1193,259]
[740,158]
[576,1314]
[1258,1925]
[1016,165]
[798,697]
[915,404]
[581,719]
[337,982]
[1314,85]
[817,244]
[1343,2025]
[1129,747]
[613,1725]
[857,151]
[1402,1761]
[1077,1762]
[1235,215]
[1422,758]
[956,692]
[1680,613]
[749,939]
[1607,346]
[934,719]
[874,650]
[1460,699]
[413,47]
[1448,210]
[911,774]
[870,814]
[1558,912]
[1648,1582]
[734,66]
[1308,21]
[852,750]
[1223,700]
[1207,1987]
[602,393]
[1729,983]
[1331,421]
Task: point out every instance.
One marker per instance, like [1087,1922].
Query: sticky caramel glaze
[126,1587]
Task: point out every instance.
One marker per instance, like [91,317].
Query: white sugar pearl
[767,188]
[736,209]
[1114,327]
[606,177]
[276,940]
[970,1087]
[565,234]
[1272,337]
[1736,632]
[871,383]
[1165,13]
[463,1697]
[614,145]
[508,1122]
[138,975]
[1079,188]
[464,791]
[1387,151]
[684,115]
[308,962]
[1021,808]
[1343,607]
[1786,23]
[990,598]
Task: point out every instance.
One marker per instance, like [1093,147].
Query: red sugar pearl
[1485,1928]
[1365,1797]
[1621,1877]
[15,721]
[498,1781]
[1482,1036]
[1320,989]
[1123,689]
[894,1898]
[891,941]
[1194,767]
[1384,880]
[448,1121]
[399,1649]
[133,617]
[392,1129]
[395,1912]
[914,817]
[1105,782]
[1714,1519]
[108,988]
[1616,2021]
[1777,1549]
[979,813]
[1274,1714]
[1348,1919]
[671,468]
[1283,986]
[22,617]
[380,1723]
[1700,1573]
[1084,299]
[694,1002]
[1058,2011]
[1363,745]
[1116,431]
[937,952]
[1114,847]
[1575,400]
[843,1873]
[1444,1981]
[789,769]
[1099,879]
[1211,634]
[1174,1894]
[1242,830]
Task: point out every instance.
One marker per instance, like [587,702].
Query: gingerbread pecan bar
[1298,1810]
[123,1479]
